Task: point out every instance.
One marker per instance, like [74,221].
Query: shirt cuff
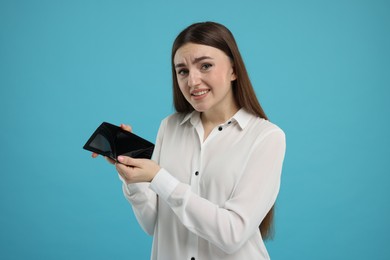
[164,184]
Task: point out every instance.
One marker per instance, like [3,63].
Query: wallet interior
[111,141]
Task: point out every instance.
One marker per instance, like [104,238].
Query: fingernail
[120,158]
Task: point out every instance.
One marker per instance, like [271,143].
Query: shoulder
[264,129]
[174,119]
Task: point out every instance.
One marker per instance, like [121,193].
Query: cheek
[182,85]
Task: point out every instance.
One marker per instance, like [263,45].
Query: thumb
[129,161]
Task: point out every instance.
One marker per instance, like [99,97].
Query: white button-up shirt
[209,198]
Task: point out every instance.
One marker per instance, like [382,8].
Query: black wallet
[111,141]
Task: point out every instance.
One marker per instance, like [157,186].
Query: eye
[182,72]
[206,66]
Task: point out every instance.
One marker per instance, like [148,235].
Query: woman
[215,172]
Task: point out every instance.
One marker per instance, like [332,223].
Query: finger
[94,155]
[111,161]
[126,127]
[124,171]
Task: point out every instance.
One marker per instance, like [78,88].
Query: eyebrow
[196,60]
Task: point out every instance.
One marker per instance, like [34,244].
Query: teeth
[200,93]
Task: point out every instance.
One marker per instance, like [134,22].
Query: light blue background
[321,70]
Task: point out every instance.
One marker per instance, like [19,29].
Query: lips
[198,93]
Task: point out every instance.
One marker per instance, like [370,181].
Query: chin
[200,108]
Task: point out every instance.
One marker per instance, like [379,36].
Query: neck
[214,118]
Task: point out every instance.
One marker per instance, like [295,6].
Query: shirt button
[229,122]
[220,128]
[196,173]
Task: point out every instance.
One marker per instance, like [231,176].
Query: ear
[233,76]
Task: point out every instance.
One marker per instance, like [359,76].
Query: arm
[141,197]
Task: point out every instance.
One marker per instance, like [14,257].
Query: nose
[193,78]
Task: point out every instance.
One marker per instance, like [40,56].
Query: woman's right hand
[124,127]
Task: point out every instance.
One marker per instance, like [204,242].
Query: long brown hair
[218,36]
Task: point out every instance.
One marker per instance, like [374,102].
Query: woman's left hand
[135,170]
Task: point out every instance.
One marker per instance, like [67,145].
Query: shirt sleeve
[141,197]
[231,225]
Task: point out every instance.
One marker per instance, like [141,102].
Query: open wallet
[111,141]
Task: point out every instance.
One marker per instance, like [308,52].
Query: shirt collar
[242,118]
[193,117]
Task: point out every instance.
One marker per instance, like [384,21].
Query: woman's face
[205,76]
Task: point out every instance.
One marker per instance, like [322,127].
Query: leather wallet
[111,141]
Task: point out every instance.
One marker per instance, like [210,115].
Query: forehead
[190,51]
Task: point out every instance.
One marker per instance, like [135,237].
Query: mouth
[199,93]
